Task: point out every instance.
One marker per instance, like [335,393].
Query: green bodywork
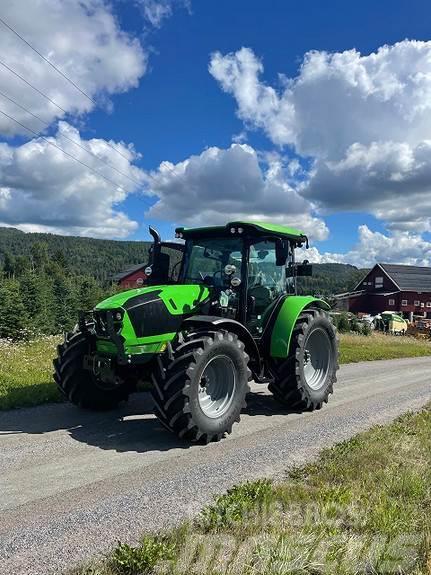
[286,319]
[179,299]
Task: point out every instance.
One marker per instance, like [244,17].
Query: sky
[316,115]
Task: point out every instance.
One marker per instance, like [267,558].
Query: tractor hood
[146,318]
[182,295]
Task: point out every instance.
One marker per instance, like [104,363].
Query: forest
[46,279]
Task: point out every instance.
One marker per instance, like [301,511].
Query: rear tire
[304,380]
[199,388]
[80,386]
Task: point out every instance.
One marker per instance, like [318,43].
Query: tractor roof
[249,229]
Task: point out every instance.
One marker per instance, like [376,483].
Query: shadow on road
[131,427]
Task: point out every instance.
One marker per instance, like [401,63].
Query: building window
[378,282]
[391,301]
[417,303]
[422,304]
[428,303]
[404,302]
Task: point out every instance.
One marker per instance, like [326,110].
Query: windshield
[205,259]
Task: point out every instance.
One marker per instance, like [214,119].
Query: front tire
[199,388]
[304,380]
[80,386]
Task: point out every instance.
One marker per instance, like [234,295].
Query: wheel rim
[317,358]
[217,386]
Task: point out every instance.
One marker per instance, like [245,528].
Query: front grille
[101,321]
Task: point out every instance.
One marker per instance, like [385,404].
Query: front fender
[287,316]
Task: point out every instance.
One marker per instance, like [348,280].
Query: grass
[26,373]
[355,347]
[364,507]
[26,368]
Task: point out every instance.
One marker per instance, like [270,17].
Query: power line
[55,103]
[47,61]
[31,86]
[71,140]
[52,101]
[64,152]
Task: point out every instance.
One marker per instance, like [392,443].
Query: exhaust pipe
[156,244]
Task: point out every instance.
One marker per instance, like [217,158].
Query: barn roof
[124,274]
[409,278]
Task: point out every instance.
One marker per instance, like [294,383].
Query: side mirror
[304,269]
[281,251]
[159,271]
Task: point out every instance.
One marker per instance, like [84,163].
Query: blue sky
[166,103]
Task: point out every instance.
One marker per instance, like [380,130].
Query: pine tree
[9,265]
[36,293]
[40,256]
[89,293]
[13,315]
[64,302]
[60,259]
[22,265]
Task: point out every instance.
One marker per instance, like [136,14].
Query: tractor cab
[248,268]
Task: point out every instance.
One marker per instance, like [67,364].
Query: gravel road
[72,483]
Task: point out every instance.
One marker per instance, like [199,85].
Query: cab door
[266,282]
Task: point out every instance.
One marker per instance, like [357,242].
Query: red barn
[393,287]
[132,277]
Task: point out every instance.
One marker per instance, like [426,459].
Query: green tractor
[224,314]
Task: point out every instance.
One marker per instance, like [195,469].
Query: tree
[36,294]
[89,293]
[40,255]
[9,265]
[22,264]
[60,259]
[13,315]
[64,302]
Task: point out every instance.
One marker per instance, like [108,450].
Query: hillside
[103,258]
[87,256]
[329,279]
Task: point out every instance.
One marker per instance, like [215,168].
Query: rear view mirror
[160,270]
[281,252]
[304,269]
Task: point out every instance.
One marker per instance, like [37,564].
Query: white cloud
[400,247]
[337,99]
[83,39]
[392,180]
[364,119]
[43,189]
[155,11]
[223,184]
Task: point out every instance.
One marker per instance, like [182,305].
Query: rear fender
[215,323]
[287,316]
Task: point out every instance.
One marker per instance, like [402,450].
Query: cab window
[266,282]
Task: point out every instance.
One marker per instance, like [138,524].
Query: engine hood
[178,298]
[154,314]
